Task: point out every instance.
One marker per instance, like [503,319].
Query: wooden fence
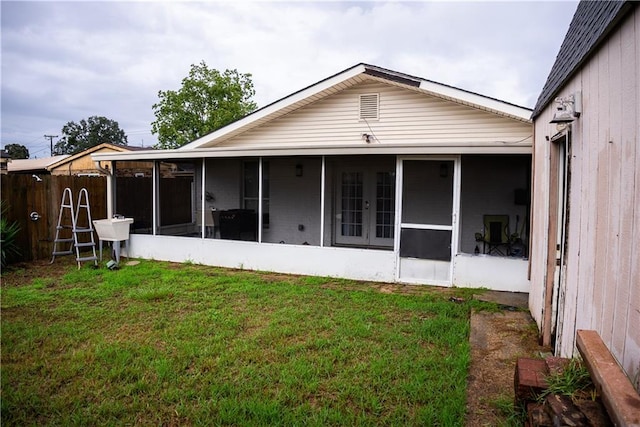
[24,194]
[27,198]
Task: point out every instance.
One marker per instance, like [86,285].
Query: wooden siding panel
[630,205]
[612,237]
[405,117]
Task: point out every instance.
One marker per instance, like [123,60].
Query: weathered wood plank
[618,395]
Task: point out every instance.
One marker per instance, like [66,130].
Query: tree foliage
[207,100]
[17,151]
[88,133]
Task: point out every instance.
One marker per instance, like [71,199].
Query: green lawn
[167,344]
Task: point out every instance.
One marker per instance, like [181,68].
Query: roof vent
[369,106]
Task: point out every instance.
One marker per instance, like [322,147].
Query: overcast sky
[66,61]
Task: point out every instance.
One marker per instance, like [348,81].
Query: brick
[555,365]
[529,379]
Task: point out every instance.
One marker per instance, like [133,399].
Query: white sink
[113,229]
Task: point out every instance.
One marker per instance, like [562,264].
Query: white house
[585,251]
[369,174]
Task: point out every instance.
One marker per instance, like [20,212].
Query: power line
[51,141]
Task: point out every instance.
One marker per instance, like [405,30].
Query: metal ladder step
[83,230]
[69,252]
[88,258]
[85,244]
[63,240]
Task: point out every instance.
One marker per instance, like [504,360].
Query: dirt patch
[497,340]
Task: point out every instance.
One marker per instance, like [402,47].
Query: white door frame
[455,209]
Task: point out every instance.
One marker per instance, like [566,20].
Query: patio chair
[495,240]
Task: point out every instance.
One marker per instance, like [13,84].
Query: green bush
[8,234]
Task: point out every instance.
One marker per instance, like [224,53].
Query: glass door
[365,206]
[428,212]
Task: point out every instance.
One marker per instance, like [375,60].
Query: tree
[88,133]
[17,151]
[207,100]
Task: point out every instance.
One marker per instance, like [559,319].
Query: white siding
[601,278]
[405,117]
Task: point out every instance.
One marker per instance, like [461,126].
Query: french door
[365,205]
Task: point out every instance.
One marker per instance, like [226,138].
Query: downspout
[109,188]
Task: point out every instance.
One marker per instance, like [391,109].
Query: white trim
[353,149]
[426,226]
[476,100]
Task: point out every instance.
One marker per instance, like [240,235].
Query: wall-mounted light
[367,138]
[568,108]
[299,170]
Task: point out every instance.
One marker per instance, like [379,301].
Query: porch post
[398,216]
[259,199]
[322,188]
[203,227]
[154,208]
[110,193]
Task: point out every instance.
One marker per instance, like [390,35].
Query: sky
[67,61]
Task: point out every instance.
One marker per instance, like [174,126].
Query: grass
[159,343]
[573,380]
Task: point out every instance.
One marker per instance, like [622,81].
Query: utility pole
[51,141]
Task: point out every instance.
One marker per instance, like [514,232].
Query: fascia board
[476,100]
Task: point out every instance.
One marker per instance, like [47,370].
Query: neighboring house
[34,166]
[585,251]
[369,174]
[81,164]
[4,161]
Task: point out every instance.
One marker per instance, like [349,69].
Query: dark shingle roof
[591,24]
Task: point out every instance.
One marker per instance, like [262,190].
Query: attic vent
[369,106]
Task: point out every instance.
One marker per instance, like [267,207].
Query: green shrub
[8,234]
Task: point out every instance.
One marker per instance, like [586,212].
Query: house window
[250,188]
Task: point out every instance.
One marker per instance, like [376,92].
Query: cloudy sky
[65,61]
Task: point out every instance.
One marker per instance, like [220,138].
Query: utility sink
[113,229]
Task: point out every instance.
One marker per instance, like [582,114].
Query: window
[250,188]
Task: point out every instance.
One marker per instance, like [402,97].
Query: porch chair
[495,239]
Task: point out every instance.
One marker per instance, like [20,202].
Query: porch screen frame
[455,209]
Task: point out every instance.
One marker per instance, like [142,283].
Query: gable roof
[590,26]
[24,165]
[70,158]
[351,76]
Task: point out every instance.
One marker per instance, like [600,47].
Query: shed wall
[600,285]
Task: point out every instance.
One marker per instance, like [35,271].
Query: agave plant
[8,234]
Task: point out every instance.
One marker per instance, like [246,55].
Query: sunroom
[370,174]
